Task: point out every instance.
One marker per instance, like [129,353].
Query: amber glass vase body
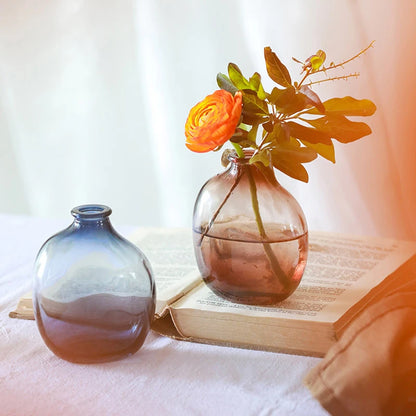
[250,235]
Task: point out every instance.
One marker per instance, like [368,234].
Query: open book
[343,275]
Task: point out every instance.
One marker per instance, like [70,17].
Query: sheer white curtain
[94,95]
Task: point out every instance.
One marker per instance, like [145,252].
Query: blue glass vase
[94,292]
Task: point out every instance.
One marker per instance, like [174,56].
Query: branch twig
[355,74]
[323,69]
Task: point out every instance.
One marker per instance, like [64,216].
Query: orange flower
[213,121]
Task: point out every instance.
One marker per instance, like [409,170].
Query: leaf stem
[308,72]
[262,143]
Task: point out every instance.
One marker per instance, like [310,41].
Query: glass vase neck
[91,214]
[235,159]
[242,166]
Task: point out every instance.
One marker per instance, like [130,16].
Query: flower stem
[214,217]
[238,150]
[274,263]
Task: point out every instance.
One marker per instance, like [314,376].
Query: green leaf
[293,169]
[325,150]
[312,98]
[261,157]
[340,128]
[279,134]
[236,77]
[308,134]
[241,136]
[261,93]
[299,103]
[224,83]
[255,85]
[289,156]
[280,97]
[274,95]
[255,111]
[252,134]
[292,151]
[251,119]
[240,133]
[255,81]
[347,106]
[276,70]
[253,104]
[288,100]
[268,126]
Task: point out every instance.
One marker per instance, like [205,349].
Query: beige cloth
[371,371]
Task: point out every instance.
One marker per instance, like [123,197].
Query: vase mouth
[234,158]
[91,211]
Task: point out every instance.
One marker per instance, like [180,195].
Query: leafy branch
[294,125]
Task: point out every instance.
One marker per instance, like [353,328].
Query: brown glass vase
[250,235]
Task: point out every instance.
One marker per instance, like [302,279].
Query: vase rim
[91,211]
[233,157]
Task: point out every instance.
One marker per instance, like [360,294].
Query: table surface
[165,377]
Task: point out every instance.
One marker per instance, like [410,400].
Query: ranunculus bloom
[213,121]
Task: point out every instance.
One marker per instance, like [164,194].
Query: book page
[171,255]
[339,272]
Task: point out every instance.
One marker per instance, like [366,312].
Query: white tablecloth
[165,377]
